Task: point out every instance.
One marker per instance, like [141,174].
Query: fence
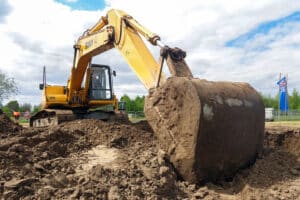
[136,114]
[291,115]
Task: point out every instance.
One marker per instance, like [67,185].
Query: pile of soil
[92,159]
[7,126]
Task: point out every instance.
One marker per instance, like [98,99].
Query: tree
[139,103]
[8,87]
[294,100]
[128,101]
[270,101]
[7,111]
[13,105]
[36,108]
[134,105]
[25,107]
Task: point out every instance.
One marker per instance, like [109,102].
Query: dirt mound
[7,126]
[39,162]
[143,125]
[91,159]
[285,138]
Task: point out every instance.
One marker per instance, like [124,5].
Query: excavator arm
[121,31]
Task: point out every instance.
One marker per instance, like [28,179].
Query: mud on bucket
[209,129]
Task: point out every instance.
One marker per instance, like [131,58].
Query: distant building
[269,114]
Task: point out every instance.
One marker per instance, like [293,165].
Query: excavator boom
[116,30]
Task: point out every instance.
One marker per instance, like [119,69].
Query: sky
[231,40]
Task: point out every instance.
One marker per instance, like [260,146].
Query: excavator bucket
[208,129]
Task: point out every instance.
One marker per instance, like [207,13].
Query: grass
[294,124]
[22,121]
[136,120]
[25,124]
[287,123]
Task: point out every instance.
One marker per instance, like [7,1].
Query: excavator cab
[100,87]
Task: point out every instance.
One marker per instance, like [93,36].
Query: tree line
[15,106]
[135,104]
[8,87]
[293,100]
[132,105]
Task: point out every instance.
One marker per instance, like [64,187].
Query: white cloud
[42,32]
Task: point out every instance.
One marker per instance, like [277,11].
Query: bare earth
[91,159]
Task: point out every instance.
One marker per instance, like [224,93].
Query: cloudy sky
[234,40]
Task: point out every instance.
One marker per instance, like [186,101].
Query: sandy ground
[91,159]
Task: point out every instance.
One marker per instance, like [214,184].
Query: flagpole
[278,113]
[287,95]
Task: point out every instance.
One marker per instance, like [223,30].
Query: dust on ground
[92,159]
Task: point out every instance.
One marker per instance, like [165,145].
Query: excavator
[209,130]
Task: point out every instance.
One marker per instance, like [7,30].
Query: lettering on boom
[89,43]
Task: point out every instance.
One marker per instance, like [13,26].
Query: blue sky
[258,41]
[84,4]
[264,29]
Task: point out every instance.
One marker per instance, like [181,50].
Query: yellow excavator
[209,130]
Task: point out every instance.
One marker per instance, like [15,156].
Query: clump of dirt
[7,126]
[92,159]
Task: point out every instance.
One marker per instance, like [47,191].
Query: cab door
[100,83]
